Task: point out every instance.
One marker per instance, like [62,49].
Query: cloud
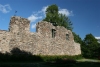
[38,14]
[66,12]
[33,18]
[44,9]
[33,26]
[97,37]
[5,8]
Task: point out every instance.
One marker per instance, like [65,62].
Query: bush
[56,57]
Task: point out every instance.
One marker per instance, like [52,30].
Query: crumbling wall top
[19,24]
[19,18]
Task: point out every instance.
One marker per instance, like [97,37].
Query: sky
[84,14]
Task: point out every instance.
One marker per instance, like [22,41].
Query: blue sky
[84,14]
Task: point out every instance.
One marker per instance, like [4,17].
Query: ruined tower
[19,24]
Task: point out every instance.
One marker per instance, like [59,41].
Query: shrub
[57,57]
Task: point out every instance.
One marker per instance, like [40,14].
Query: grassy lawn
[88,60]
[78,63]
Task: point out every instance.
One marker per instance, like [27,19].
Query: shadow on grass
[74,64]
[88,64]
[18,55]
[77,64]
[20,58]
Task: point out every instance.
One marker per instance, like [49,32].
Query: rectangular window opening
[53,33]
[67,36]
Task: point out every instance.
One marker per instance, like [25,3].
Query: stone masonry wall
[48,39]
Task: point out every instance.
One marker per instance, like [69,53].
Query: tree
[91,41]
[98,52]
[90,46]
[65,21]
[53,16]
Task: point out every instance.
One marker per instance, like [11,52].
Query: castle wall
[4,41]
[48,40]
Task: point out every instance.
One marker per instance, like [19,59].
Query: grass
[79,63]
[88,60]
[88,63]
[19,58]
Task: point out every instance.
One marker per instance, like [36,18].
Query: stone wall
[48,39]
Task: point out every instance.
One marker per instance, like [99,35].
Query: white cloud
[33,26]
[44,9]
[66,12]
[97,37]
[37,15]
[5,8]
[33,18]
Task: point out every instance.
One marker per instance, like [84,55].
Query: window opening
[53,33]
[67,36]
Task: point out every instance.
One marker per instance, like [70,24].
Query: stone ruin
[47,40]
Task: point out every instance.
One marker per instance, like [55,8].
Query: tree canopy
[53,16]
[77,38]
[90,46]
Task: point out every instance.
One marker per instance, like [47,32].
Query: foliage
[55,57]
[77,38]
[65,21]
[53,16]
[98,51]
[20,58]
[90,46]
[90,39]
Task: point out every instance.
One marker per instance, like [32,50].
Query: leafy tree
[53,16]
[98,51]
[91,41]
[65,21]
[90,46]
